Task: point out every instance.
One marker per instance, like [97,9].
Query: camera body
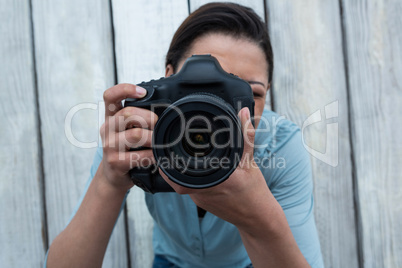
[197,129]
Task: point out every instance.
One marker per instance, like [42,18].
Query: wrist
[263,214]
[105,187]
[268,222]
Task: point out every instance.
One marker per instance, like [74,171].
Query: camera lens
[198,141]
[197,138]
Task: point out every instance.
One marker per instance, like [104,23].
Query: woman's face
[237,56]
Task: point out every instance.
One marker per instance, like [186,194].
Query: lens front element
[197,141]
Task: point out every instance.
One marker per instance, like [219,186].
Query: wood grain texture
[374,62]
[21,241]
[74,56]
[256,5]
[143,31]
[309,77]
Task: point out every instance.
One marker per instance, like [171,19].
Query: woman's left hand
[240,197]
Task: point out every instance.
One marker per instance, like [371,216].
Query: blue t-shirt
[212,242]
[187,241]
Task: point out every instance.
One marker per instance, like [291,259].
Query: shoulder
[279,151]
[274,131]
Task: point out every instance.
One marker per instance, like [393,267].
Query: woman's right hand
[125,128]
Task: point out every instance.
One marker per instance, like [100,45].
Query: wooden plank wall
[22,222]
[338,71]
[374,67]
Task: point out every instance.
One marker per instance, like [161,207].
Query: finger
[130,117]
[114,95]
[140,159]
[134,138]
[125,161]
[248,133]
[125,140]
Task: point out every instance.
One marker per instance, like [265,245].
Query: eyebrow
[256,82]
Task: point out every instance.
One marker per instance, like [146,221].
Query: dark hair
[227,18]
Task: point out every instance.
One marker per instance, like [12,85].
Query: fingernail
[141,91]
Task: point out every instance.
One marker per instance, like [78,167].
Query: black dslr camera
[197,141]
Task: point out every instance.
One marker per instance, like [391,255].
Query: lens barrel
[197,141]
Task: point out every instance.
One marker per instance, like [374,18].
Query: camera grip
[148,178]
[149,181]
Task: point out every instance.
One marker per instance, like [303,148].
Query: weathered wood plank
[257,6]
[143,31]
[374,62]
[309,77]
[21,221]
[74,52]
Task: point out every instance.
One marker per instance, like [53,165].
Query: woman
[262,214]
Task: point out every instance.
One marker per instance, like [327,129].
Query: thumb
[248,134]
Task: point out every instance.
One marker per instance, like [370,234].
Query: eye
[257,94]
[258,89]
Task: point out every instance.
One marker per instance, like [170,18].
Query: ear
[169,70]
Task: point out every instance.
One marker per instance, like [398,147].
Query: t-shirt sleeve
[95,164]
[287,169]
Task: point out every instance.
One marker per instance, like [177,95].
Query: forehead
[236,55]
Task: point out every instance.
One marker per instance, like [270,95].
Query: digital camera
[197,141]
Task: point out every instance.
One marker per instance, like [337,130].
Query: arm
[83,242]
[268,238]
